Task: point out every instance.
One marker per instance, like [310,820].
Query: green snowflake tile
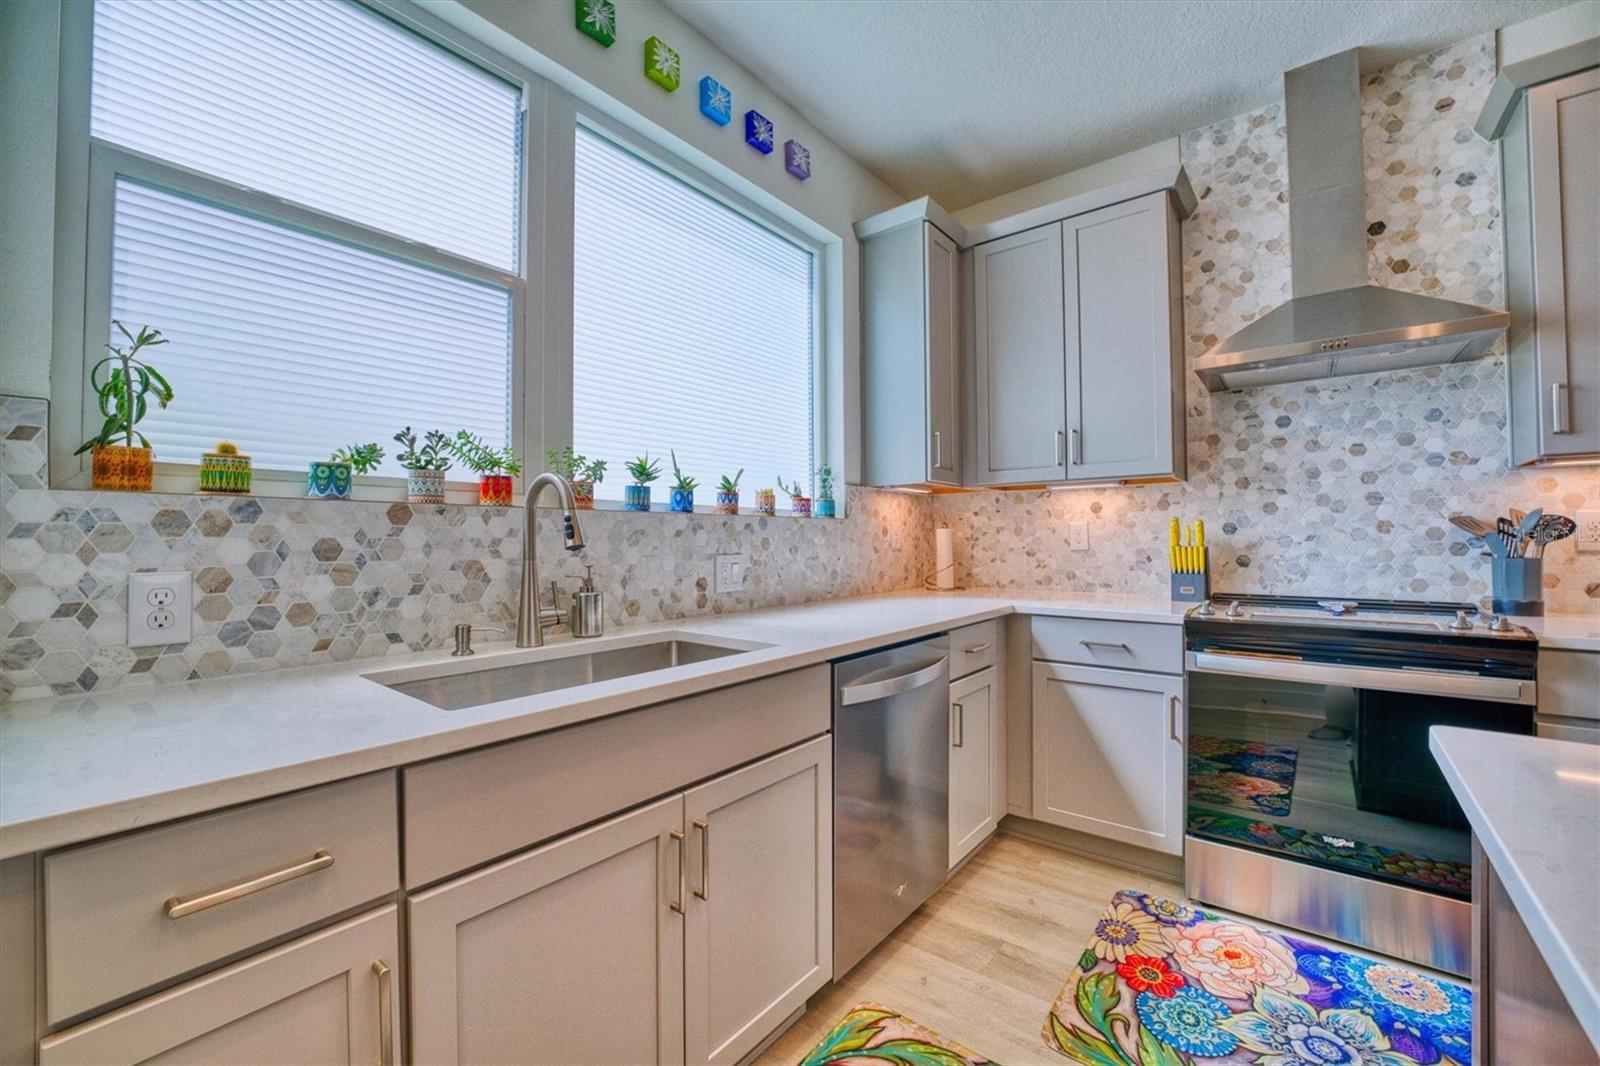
[662,65]
[597,19]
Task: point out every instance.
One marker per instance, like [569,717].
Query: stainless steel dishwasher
[891,785]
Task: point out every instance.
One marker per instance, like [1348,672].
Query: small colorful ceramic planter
[583,493]
[758,132]
[797,159]
[766,501]
[824,509]
[597,19]
[124,469]
[800,506]
[727,502]
[329,481]
[662,64]
[636,497]
[716,102]
[497,490]
[424,486]
[682,501]
[225,470]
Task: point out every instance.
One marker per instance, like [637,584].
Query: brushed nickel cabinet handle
[677,904]
[178,908]
[1059,436]
[1118,644]
[959,725]
[938,451]
[385,1013]
[976,648]
[1172,719]
[704,891]
[1558,408]
[1077,447]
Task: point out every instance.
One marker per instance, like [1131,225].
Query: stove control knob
[1205,610]
[1501,624]
[1234,610]
[1463,621]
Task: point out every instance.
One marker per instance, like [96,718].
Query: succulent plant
[730,484]
[644,469]
[795,491]
[123,385]
[363,458]
[433,454]
[824,482]
[227,447]
[574,467]
[681,481]
[482,458]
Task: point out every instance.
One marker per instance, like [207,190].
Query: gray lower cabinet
[690,927]
[976,751]
[1108,753]
[1124,341]
[1551,160]
[324,998]
[1019,348]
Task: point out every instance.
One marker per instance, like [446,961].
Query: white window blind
[321,103]
[692,331]
[291,344]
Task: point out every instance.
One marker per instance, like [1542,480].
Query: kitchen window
[322,211]
[694,328]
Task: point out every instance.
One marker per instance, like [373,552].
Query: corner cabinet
[1078,349]
[1551,160]
[910,363]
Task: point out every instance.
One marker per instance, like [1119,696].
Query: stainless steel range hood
[1336,323]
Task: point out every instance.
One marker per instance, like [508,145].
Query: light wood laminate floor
[982,960]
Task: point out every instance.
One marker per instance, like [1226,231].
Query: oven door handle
[1422,682]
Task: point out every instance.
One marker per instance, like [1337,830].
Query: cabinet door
[320,999]
[1123,339]
[974,762]
[1108,754]
[940,261]
[1564,173]
[1020,359]
[570,953]
[759,935]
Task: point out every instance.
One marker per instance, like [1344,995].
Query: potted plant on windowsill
[799,502]
[332,478]
[825,507]
[728,493]
[124,384]
[225,470]
[425,464]
[683,486]
[495,467]
[643,470]
[766,501]
[583,473]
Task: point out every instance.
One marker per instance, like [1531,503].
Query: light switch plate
[1078,536]
[730,574]
[1588,534]
[160,608]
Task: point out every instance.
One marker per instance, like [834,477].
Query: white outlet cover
[160,608]
[1588,534]
[729,575]
[1078,536]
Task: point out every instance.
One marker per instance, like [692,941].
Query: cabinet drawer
[1569,684]
[973,648]
[1100,642]
[106,905]
[467,809]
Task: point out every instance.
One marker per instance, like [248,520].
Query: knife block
[1194,588]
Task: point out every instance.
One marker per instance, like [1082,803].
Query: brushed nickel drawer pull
[1172,719]
[677,904]
[1118,644]
[976,648]
[385,1013]
[960,725]
[704,891]
[178,908]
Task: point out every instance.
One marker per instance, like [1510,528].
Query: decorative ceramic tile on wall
[1334,487]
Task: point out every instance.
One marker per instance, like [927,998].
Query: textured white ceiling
[967,99]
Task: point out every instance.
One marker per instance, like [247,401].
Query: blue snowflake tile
[716,101]
[797,159]
[758,133]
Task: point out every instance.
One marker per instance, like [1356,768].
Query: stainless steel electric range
[1312,800]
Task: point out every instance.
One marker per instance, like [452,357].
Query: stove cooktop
[1399,616]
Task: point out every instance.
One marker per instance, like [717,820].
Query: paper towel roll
[944,558]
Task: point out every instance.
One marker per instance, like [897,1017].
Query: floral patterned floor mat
[1245,775]
[871,1035]
[1164,983]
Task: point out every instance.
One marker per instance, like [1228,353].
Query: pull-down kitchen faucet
[531,618]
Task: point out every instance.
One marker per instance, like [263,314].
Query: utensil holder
[1194,588]
[1517,585]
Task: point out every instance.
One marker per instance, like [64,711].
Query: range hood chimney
[1337,324]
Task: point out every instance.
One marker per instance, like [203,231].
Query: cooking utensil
[1476,526]
[1525,526]
[1549,529]
[1517,515]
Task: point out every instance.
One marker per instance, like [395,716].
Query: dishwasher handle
[865,691]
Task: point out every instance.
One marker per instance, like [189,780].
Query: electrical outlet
[1078,536]
[730,574]
[160,608]
[1588,534]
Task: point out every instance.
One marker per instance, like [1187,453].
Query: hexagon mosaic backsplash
[1336,487]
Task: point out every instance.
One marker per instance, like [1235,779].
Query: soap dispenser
[586,612]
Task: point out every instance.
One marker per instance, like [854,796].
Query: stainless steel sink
[494,678]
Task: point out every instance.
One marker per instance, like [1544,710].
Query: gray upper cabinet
[1124,342]
[1551,158]
[910,343]
[1019,365]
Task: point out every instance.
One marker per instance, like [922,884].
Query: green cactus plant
[644,469]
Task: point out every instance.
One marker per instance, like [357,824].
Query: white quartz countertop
[1534,805]
[1568,632]
[77,767]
